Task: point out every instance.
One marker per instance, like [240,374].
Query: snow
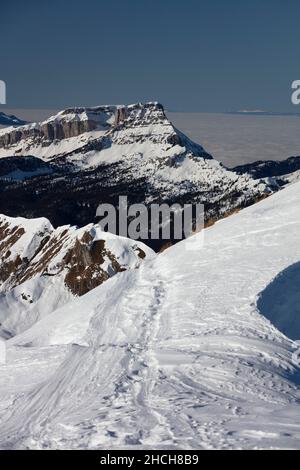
[85,114]
[144,146]
[280,301]
[32,148]
[34,230]
[44,290]
[232,139]
[24,305]
[103,117]
[291,178]
[119,246]
[177,354]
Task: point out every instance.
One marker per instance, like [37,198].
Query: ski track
[176,355]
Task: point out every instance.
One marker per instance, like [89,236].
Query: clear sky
[191,55]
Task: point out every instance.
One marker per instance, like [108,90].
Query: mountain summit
[96,154]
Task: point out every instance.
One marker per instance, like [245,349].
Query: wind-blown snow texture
[175,354]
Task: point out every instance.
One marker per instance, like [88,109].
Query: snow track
[173,355]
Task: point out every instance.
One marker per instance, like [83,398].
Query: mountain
[96,154]
[280,172]
[187,352]
[42,268]
[10,120]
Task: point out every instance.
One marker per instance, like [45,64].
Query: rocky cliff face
[110,124]
[73,122]
[33,247]
[68,123]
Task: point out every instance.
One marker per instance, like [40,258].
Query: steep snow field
[177,354]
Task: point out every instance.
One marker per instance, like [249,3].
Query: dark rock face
[69,123]
[8,237]
[47,133]
[55,131]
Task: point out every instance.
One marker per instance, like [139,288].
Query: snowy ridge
[42,268]
[274,173]
[176,354]
[22,236]
[75,128]
[118,150]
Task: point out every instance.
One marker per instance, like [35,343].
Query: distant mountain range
[281,172]
[259,112]
[10,120]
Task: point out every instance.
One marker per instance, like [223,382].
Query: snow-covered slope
[116,150]
[42,268]
[83,133]
[178,354]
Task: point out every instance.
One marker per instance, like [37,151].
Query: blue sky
[192,55]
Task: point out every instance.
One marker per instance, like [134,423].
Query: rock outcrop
[68,123]
[87,256]
[42,268]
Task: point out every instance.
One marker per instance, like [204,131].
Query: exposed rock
[86,257]
[69,123]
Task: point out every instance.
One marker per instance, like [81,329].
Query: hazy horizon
[233,139]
